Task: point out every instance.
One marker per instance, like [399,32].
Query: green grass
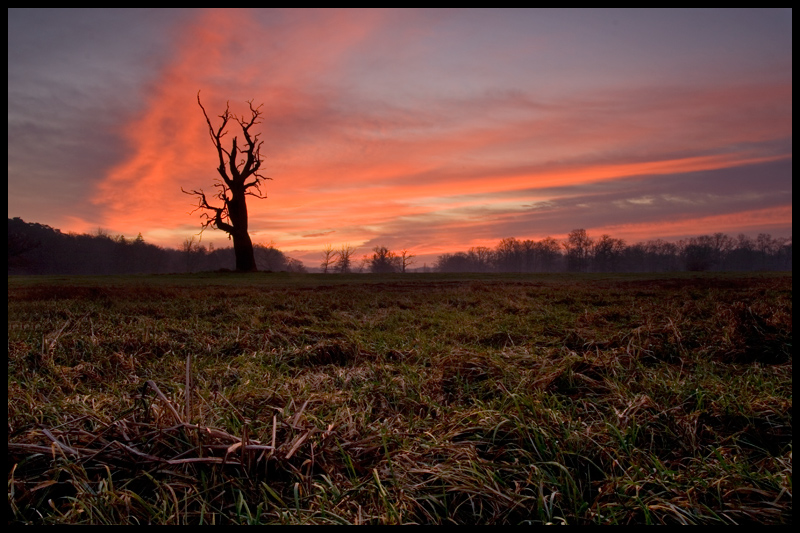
[427,398]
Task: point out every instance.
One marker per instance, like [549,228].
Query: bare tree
[240,177]
[481,258]
[507,256]
[405,260]
[384,260]
[548,252]
[194,252]
[578,246]
[344,260]
[607,252]
[329,256]
[362,263]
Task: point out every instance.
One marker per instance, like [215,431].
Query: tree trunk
[242,244]
[243,249]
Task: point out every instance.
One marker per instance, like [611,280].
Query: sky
[427,130]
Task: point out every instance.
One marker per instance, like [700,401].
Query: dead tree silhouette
[237,165]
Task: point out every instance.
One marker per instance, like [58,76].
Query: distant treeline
[580,253]
[39,249]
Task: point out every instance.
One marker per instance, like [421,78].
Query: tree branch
[216,137]
[220,213]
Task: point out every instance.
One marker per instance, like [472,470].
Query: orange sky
[437,131]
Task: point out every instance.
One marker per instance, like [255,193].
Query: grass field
[419,398]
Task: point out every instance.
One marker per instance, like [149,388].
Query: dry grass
[400,399]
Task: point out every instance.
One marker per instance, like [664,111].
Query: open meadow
[415,398]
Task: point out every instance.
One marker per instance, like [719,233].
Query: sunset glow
[432,131]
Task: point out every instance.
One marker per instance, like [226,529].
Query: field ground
[419,398]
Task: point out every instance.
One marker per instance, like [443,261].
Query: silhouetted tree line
[39,249]
[580,253]
[382,260]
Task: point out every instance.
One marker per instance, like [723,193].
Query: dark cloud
[650,199]
[322,234]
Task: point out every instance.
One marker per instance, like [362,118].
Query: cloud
[321,234]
